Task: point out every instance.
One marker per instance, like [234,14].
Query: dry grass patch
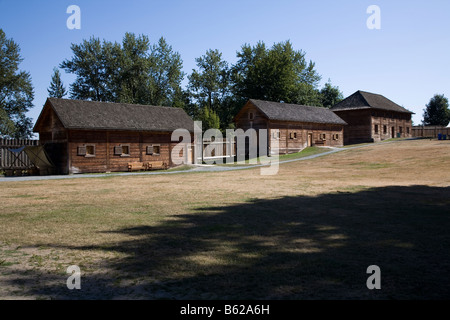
[308,232]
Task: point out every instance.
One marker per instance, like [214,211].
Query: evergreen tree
[56,89]
[437,112]
[330,95]
[16,91]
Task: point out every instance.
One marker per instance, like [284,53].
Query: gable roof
[297,113]
[367,100]
[95,115]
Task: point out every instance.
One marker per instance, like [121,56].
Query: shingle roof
[367,100]
[81,114]
[295,112]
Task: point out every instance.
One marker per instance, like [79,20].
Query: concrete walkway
[197,168]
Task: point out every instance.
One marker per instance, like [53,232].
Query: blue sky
[407,60]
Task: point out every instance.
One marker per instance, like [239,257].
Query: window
[81,151]
[251,116]
[407,130]
[154,150]
[122,150]
[293,135]
[323,136]
[125,150]
[384,129]
[87,150]
[376,128]
[90,151]
[336,136]
[276,134]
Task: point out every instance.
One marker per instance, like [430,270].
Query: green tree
[91,62]
[132,72]
[210,84]
[210,119]
[183,100]
[165,74]
[56,89]
[437,111]
[134,69]
[330,95]
[16,91]
[276,74]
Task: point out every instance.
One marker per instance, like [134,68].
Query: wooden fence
[8,159]
[430,131]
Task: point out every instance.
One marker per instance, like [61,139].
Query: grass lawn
[309,232]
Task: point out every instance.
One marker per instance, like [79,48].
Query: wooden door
[310,139]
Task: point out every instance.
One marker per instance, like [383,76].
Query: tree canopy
[133,72]
[279,73]
[437,111]
[209,85]
[16,91]
[330,95]
[136,71]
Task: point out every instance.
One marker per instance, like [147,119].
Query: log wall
[106,159]
[368,125]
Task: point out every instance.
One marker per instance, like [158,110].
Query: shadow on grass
[289,248]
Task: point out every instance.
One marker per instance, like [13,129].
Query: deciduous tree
[276,74]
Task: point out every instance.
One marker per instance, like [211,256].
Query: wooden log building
[372,117]
[90,136]
[297,126]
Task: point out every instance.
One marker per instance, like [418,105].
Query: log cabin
[290,126]
[90,136]
[372,117]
